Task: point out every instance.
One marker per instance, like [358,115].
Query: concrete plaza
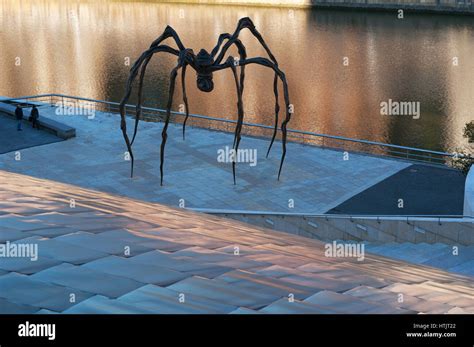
[314,179]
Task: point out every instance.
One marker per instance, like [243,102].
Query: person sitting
[19,117]
[34,115]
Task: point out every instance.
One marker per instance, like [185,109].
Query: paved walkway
[118,255]
[315,179]
[12,140]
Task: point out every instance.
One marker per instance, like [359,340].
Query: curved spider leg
[164,134]
[277,110]
[185,98]
[242,54]
[168,33]
[243,24]
[240,111]
[145,57]
[268,63]
[281,75]
[138,109]
[241,83]
[128,90]
[220,41]
[284,125]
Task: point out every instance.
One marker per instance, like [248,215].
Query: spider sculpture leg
[168,33]
[185,98]
[164,134]
[277,110]
[138,111]
[246,23]
[281,76]
[132,76]
[243,55]
[142,63]
[240,110]
[240,119]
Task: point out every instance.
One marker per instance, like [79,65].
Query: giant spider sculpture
[205,64]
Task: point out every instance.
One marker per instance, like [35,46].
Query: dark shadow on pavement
[425,190]
[13,140]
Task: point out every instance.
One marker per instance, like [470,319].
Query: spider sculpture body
[205,64]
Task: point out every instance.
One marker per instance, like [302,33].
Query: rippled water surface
[80,48]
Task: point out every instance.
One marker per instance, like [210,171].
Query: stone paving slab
[223,292]
[138,241]
[284,306]
[315,179]
[38,293]
[62,251]
[18,223]
[183,265]
[7,307]
[250,281]
[207,256]
[99,304]
[123,267]
[166,300]
[350,304]
[52,232]
[26,266]
[8,234]
[243,310]
[384,297]
[103,244]
[321,282]
[87,280]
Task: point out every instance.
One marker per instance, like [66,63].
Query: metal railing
[252,129]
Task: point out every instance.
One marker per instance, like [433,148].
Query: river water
[340,65]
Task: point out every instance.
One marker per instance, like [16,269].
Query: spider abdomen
[204,76]
[204,82]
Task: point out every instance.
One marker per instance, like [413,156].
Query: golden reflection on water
[79,48]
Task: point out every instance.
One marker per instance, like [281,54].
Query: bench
[61,130]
